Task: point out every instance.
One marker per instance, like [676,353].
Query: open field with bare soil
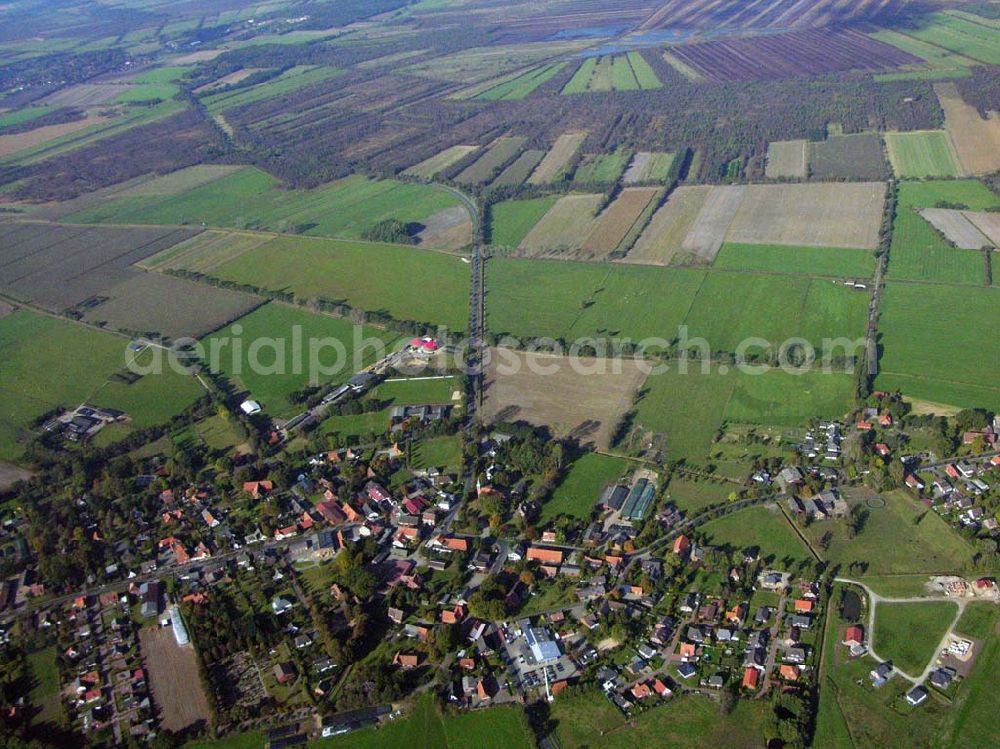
[976,140]
[59,266]
[617,220]
[708,231]
[554,165]
[787,158]
[811,215]
[173,679]
[437,163]
[546,390]
[956,227]
[12,144]
[987,223]
[154,303]
[664,236]
[647,166]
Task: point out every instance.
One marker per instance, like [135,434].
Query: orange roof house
[803,606]
[641,691]
[750,678]
[682,544]
[687,650]
[257,488]
[406,661]
[855,635]
[541,554]
[454,543]
[789,673]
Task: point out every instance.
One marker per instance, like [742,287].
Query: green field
[918,251]
[602,167]
[691,407]
[692,495]
[444,453]
[564,300]
[811,261]
[511,220]
[936,343]
[586,719]
[26,114]
[48,362]
[418,391]
[920,154]
[500,152]
[613,73]
[252,199]
[853,714]
[429,168]
[908,634]
[758,527]
[940,62]
[292,79]
[267,345]
[523,85]
[159,83]
[979,620]
[971,39]
[581,487]
[494,728]
[45,685]
[892,541]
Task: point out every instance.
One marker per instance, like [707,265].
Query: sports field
[374,277]
[260,353]
[252,199]
[922,153]
[49,362]
[937,345]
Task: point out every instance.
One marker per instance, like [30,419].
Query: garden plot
[956,227]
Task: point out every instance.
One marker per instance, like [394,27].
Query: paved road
[874,599]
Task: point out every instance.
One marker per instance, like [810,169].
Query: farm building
[638,500]
[177,624]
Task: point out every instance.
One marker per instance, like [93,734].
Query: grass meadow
[908,634]
[922,153]
[810,261]
[580,489]
[511,220]
[761,527]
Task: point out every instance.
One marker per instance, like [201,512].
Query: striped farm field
[628,72]
[430,168]
[500,151]
[664,236]
[618,219]
[520,169]
[553,166]
[602,167]
[510,221]
[922,153]
[649,166]
[523,85]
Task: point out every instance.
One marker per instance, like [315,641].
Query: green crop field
[520,87]
[497,155]
[628,72]
[898,538]
[581,487]
[587,718]
[263,356]
[511,220]
[979,620]
[968,38]
[252,199]
[908,634]
[937,345]
[291,80]
[17,116]
[159,83]
[924,153]
[50,362]
[602,167]
[810,261]
[970,193]
[761,527]
[940,62]
[691,407]
[429,168]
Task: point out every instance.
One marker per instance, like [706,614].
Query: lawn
[582,485]
[922,153]
[761,527]
[45,685]
[252,199]
[438,452]
[266,361]
[908,634]
[810,261]
[404,282]
[586,718]
[692,495]
[511,220]
[418,391]
[979,620]
[902,537]
[49,362]
[935,348]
